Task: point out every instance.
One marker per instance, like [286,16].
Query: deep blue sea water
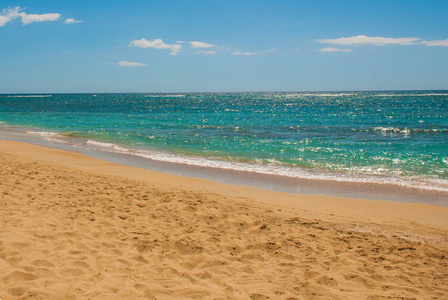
[398,138]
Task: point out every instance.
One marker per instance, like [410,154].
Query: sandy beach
[74,227]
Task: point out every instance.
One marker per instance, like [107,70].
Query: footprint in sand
[18,276]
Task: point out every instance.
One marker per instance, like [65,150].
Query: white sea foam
[408,95]
[318,95]
[110,147]
[289,95]
[355,175]
[299,95]
[166,96]
[49,136]
[101,144]
[293,172]
[392,130]
[335,95]
[44,133]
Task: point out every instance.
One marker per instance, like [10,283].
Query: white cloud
[362,40]
[333,49]
[443,43]
[71,21]
[207,52]
[8,14]
[244,53]
[156,44]
[4,20]
[130,64]
[196,44]
[30,18]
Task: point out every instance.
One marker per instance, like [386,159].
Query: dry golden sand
[73,227]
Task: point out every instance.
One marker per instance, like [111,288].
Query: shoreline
[322,187]
[73,226]
[380,210]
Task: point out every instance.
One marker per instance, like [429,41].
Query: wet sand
[74,227]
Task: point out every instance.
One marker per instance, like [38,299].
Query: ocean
[392,139]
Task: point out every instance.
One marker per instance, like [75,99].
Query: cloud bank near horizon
[124,63]
[363,40]
[244,53]
[333,49]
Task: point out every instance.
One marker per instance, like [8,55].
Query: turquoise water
[384,137]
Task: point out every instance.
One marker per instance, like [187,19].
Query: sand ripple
[67,234]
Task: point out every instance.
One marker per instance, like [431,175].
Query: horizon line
[222,92]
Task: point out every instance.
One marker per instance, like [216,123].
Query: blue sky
[57,46]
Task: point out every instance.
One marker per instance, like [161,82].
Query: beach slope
[74,227]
